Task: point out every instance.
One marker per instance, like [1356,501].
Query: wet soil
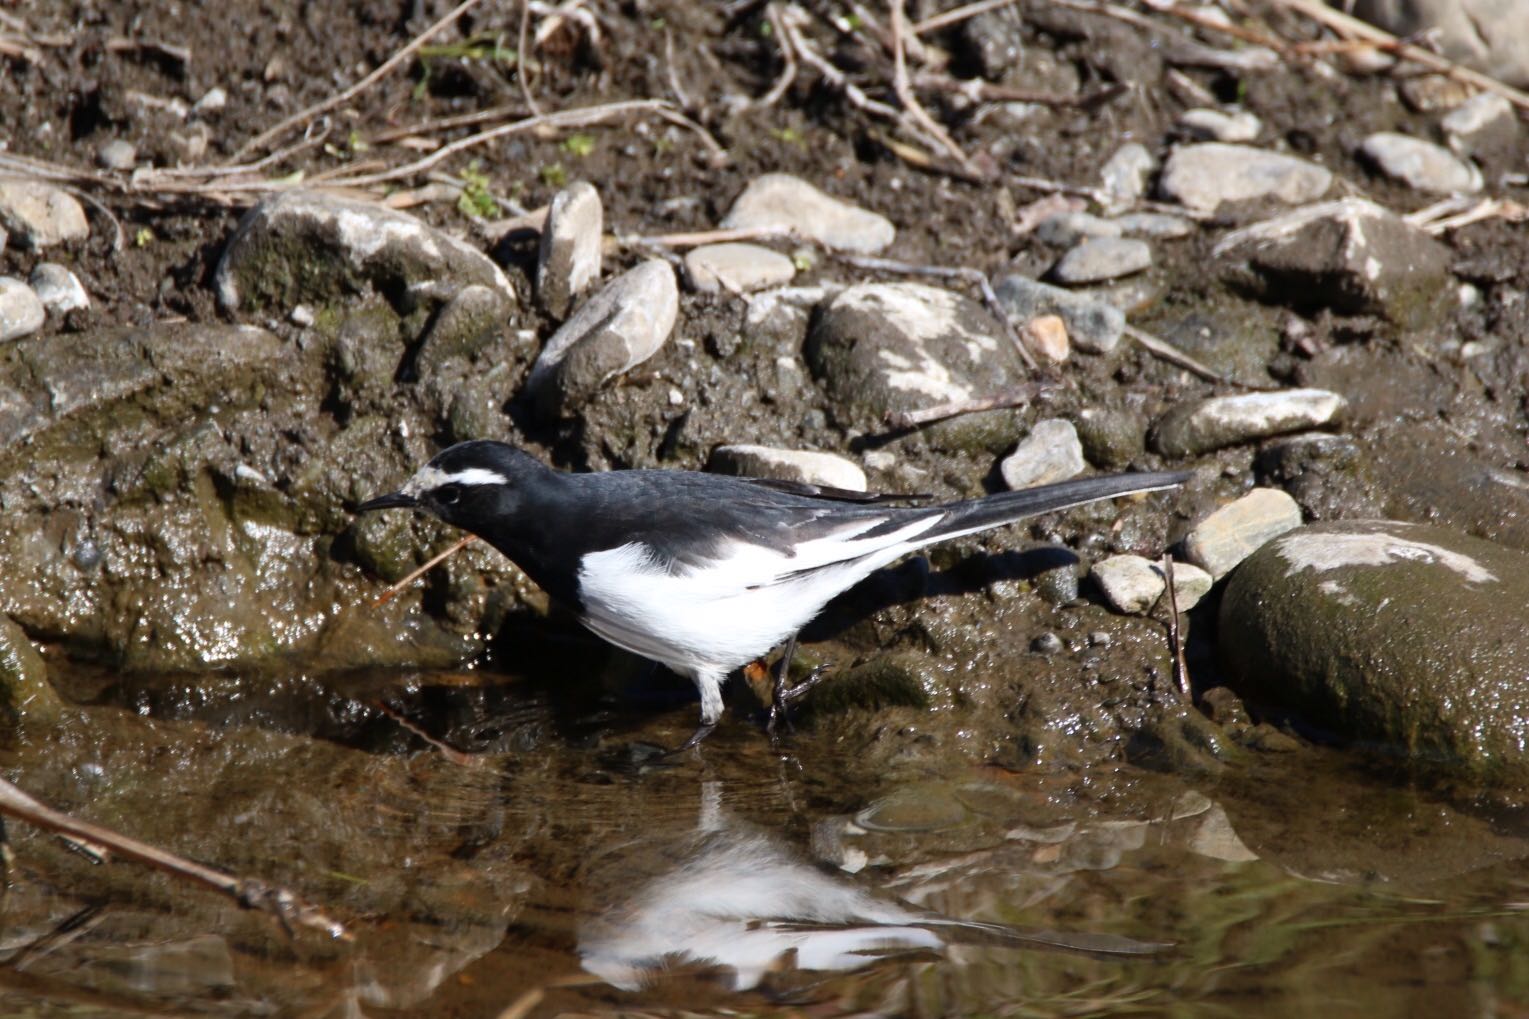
[1287,882]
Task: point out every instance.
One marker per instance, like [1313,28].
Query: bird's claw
[783,696]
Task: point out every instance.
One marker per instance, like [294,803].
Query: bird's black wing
[813,491]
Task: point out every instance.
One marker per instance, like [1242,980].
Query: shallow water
[556,869]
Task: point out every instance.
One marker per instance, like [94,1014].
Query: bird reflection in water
[732,896]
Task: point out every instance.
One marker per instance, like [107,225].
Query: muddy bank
[181,456]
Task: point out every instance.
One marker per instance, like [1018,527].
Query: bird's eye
[448,495]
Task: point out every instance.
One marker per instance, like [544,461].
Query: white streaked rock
[806,466]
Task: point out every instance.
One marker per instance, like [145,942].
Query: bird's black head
[468,485]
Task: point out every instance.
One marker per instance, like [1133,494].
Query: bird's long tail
[1006,507]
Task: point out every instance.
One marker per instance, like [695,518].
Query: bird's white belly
[712,620]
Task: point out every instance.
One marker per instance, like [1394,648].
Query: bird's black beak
[393,500]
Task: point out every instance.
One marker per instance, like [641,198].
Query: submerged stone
[1405,634]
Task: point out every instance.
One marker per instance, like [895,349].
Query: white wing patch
[429,478]
[716,616]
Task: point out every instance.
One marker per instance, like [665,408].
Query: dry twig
[522,59]
[387,67]
[1018,396]
[910,101]
[1175,644]
[392,592]
[1351,26]
[250,893]
[1173,355]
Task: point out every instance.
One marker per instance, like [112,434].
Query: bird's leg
[702,731]
[781,695]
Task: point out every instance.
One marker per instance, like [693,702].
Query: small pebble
[1482,116]
[58,288]
[801,465]
[1159,225]
[1046,337]
[1047,644]
[1235,531]
[1199,427]
[213,100]
[1066,229]
[1051,452]
[568,259]
[781,200]
[1102,258]
[1204,175]
[1214,125]
[1420,164]
[1093,326]
[736,267]
[1125,175]
[21,311]
[117,155]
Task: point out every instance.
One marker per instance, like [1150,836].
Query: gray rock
[1102,258]
[1132,584]
[21,311]
[117,154]
[25,693]
[1406,634]
[1420,164]
[1215,125]
[212,101]
[1198,427]
[780,316]
[1237,530]
[1124,176]
[40,215]
[884,347]
[1350,255]
[464,326]
[626,322]
[805,466]
[1095,327]
[736,267]
[308,247]
[1483,123]
[1046,337]
[1204,175]
[1051,452]
[1111,438]
[58,288]
[1154,224]
[1065,229]
[1486,35]
[568,262]
[790,203]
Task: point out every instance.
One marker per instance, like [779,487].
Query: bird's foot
[702,731]
[783,696]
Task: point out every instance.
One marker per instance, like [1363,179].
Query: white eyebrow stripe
[429,478]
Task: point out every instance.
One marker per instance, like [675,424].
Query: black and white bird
[702,573]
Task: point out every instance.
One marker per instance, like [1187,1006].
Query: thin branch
[958,15]
[579,117]
[1018,396]
[387,67]
[392,592]
[698,237]
[1173,355]
[521,62]
[1348,25]
[250,893]
[910,101]
[788,75]
[1175,644]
